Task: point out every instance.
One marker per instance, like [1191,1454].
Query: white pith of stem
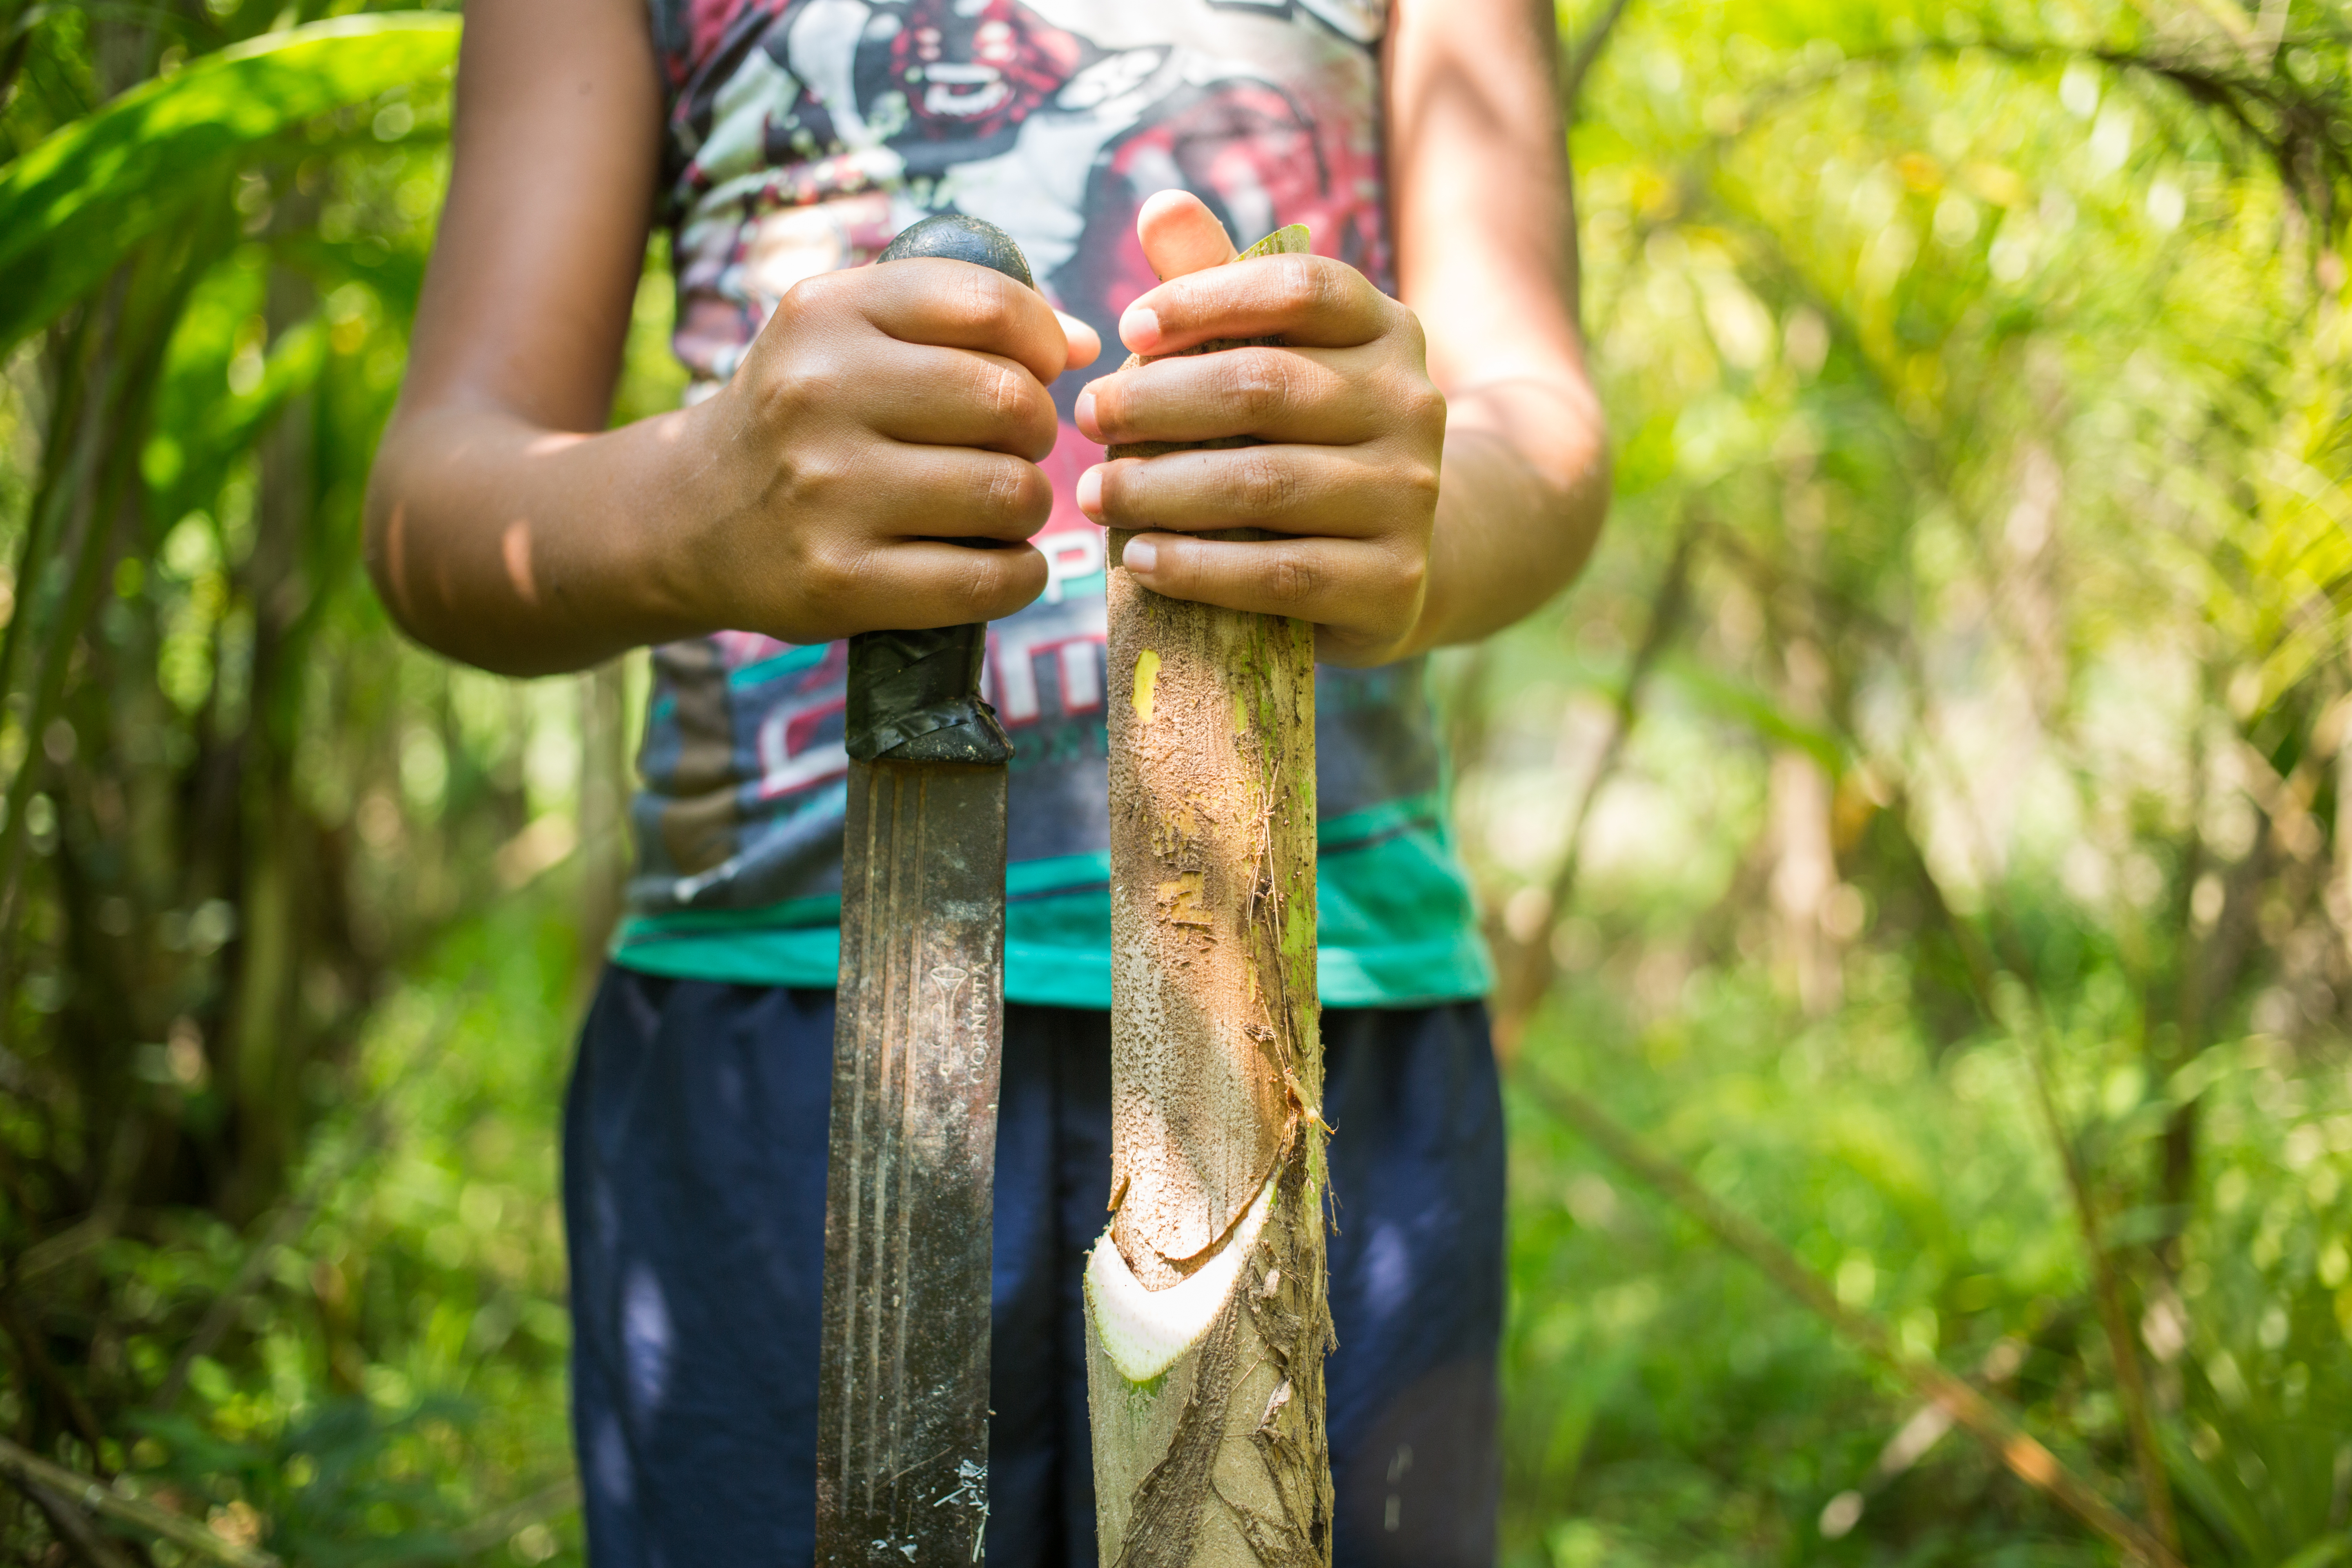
[1145,1333]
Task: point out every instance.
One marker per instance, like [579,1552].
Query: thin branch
[1582,59]
[106,1209]
[42,1370]
[103,528]
[547,1503]
[65,470]
[74,1527]
[1981,959]
[1532,968]
[1991,1426]
[1984,959]
[67,1495]
[2106,1289]
[24,1467]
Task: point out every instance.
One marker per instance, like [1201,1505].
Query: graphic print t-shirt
[802,135]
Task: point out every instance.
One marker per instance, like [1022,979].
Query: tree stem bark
[1208,1312]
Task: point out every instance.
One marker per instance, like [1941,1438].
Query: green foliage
[1973,878]
[296,919]
[72,207]
[1991,362]
[316,1477]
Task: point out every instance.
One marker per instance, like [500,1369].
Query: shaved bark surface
[1215,1453]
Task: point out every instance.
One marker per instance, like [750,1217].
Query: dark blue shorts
[694,1156]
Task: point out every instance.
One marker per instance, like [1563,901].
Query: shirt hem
[1038,974]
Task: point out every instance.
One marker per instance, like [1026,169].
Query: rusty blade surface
[902,1406]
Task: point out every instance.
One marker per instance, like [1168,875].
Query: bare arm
[1486,258]
[505,527]
[499,531]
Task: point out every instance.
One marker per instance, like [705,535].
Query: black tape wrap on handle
[914,697]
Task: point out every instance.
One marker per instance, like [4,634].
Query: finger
[1085,343]
[1306,301]
[890,491]
[956,397]
[1356,587]
[920,584]
[1340,492]
[956,493]
[956,305]
[1322,396]
[1181,235]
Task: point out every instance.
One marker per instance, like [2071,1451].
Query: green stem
[26,1468]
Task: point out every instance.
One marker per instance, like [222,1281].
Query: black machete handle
[914,697]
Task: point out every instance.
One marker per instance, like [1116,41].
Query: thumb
[1181,235]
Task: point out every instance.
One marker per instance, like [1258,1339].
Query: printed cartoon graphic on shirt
[804,134]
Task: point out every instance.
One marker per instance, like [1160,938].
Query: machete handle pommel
[952,236]
[914,697]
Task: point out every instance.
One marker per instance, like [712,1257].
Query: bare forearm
[875,398]
[1522,493]
[528,551]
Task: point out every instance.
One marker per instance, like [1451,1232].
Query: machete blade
[902,1412]
[919,1029]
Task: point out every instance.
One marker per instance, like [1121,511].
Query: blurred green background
[1918,851]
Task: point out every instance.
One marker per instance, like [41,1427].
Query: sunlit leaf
[74,205]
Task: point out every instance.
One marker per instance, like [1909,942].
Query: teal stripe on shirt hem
[1057,909]
[1042,974]
[818,911]
[1355,829]
[1058,874]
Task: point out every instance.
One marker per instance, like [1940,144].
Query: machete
[902,1398]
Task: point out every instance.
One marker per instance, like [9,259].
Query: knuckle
[978,575]
[1003,393]
[996,580]
[1008,492]
[1425,406]
[816,292]
[819,475]
[1290,579]
[1028,411]
[1407,572]
[976,300]
[1255,382]
[816,380]
[830,573]
[1416,337]
[1418,483]
[1265,486]
[1000,490]
[1300,285]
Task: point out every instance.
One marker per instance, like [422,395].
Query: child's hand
[873,459]
[1355,432]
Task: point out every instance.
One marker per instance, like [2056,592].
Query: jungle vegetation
[1918,855]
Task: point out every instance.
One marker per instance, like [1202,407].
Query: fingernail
[1139,328]
[1090,492]
[1084,413]
[1139,556]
